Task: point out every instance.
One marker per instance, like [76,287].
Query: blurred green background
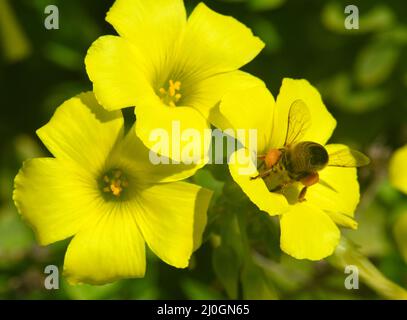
[362,76]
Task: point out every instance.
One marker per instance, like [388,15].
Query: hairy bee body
[303,159]
[300,161]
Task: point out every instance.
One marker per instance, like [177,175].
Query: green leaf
[204,178]
[261,5]
[14,42]
[195,290]
[89,292]
[263,232]
[347,254]
[233,1]
[226,265]
[15,236]
[375,64]
[228,255]
[231,234]
[255,284]
[364,100]
[371,233]
[388,194]
[288,274]
[339,90]
[395,36]
[64,56]
[376,19]
[381,17]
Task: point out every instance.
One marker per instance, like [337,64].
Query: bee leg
[308,181]
[263,174]
[260,166]
[301,196]
[278,188]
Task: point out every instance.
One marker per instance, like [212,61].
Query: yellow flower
[102,189]
[308,227]
[170,67]
[398,169]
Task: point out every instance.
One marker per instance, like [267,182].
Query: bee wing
[299,121]
[347,157]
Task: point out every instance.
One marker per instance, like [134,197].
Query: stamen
[114,182]
[171,95]
[116,188]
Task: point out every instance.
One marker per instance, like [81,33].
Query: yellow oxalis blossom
[398,169]
[170,67]
[102,189]
[308,228]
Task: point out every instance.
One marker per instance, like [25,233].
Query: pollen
[171,95]
[114,183]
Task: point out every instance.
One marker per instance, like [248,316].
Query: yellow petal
[323,123]
[167,218]
[187,132]
[338,189]
[203,198]
[208,93]
[398,169]
[135,158]
[108,249]
[121,76]
[155,28]
[242,170]
[251,109]
[82,131]
[342,219]
[56,197]
[308,233]
[215,43]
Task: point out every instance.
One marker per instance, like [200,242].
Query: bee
[301,160]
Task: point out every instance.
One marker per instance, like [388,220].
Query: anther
[114,182]
[171,95]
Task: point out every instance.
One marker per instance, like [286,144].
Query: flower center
[171,95]
[114,183]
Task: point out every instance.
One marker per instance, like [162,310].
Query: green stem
[346,254]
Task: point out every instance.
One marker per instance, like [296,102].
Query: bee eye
[319,156]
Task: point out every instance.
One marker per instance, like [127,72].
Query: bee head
[318,156]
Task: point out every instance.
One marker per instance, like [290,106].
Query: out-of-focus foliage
[400,233]
[362,76]
[14,42]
